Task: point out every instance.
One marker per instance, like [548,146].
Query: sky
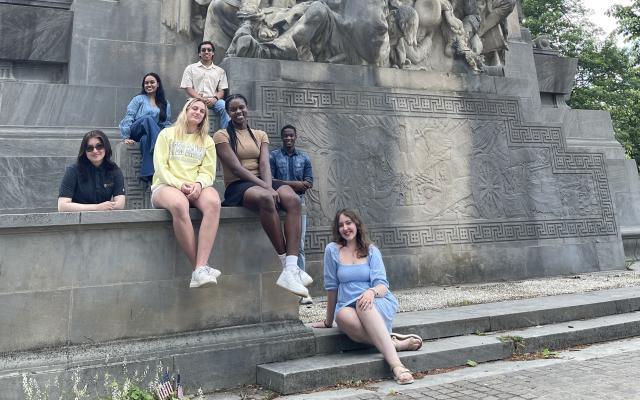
[599,17]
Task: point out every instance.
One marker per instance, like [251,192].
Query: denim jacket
[294,167]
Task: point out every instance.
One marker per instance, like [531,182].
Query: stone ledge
[338,74]
[32,220]
[630,232]
[94,277]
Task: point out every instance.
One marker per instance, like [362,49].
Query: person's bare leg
[378,334]
[259,199]
[290,201]
[349,323]
[177,204]
[209,204]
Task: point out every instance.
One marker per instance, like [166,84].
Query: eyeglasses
[206,50]
[90,148]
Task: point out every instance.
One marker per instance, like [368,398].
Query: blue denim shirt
[294,167]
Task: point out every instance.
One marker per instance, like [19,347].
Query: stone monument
[441,121]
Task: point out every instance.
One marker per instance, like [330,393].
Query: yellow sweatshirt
[183,160]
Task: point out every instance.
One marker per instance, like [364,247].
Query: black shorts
[234,193]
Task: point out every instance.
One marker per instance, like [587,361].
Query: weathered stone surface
[211,359]
[56,105]
[35,33]
[124,276]
[442,170]
[128,36]
[34,319]
[31,182]
[555,74]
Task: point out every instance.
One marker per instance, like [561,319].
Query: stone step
[547,322]
[491,317]
[323,370]
[51,141]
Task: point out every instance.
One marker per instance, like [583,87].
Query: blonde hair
[181,125]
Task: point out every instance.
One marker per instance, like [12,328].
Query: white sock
[291,263]
[283,259]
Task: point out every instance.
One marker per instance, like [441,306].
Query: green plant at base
[546,353]
[137,393]
[518,343]
[472,363]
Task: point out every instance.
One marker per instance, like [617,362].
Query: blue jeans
[224,117]
[303,231]
[145,130]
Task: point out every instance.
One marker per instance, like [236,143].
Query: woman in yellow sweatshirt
[184,160]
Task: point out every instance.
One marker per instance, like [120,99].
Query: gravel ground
[433,297]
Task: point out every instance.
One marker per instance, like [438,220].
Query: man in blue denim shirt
[293,167]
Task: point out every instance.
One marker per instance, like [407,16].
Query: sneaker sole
[298,293]
[203,285]
[216,274]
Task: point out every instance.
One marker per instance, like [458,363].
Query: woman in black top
[94,182]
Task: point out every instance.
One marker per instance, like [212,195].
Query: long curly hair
[362,240]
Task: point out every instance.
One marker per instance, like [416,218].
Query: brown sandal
[400,370]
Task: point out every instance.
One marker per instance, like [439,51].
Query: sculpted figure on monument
[354,32]
[434,16]
[485,24]
[403,33]
[396,33]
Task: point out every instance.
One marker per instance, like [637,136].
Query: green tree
[629,23]
[608,77]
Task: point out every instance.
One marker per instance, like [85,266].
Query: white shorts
[156,190]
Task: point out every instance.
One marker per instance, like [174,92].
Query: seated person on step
[244,153]
[147,114]
[94,182]
[206,81]
[358,295]
[185,163]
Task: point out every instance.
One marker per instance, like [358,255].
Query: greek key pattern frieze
[420,236]
[583,187]
[278,98]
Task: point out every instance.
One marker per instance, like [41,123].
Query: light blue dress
[351,280]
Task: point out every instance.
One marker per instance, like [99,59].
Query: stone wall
[458,177]
[93,277]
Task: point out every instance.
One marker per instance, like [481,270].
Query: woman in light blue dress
[358,296]
[147,114]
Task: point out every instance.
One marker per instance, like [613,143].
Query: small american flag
[165,389]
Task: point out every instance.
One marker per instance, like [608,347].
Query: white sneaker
[202,277]
[305,278]
[305,301]
[290,280]
[215,273]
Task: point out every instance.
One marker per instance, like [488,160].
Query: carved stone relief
[418,34]
[431,169]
